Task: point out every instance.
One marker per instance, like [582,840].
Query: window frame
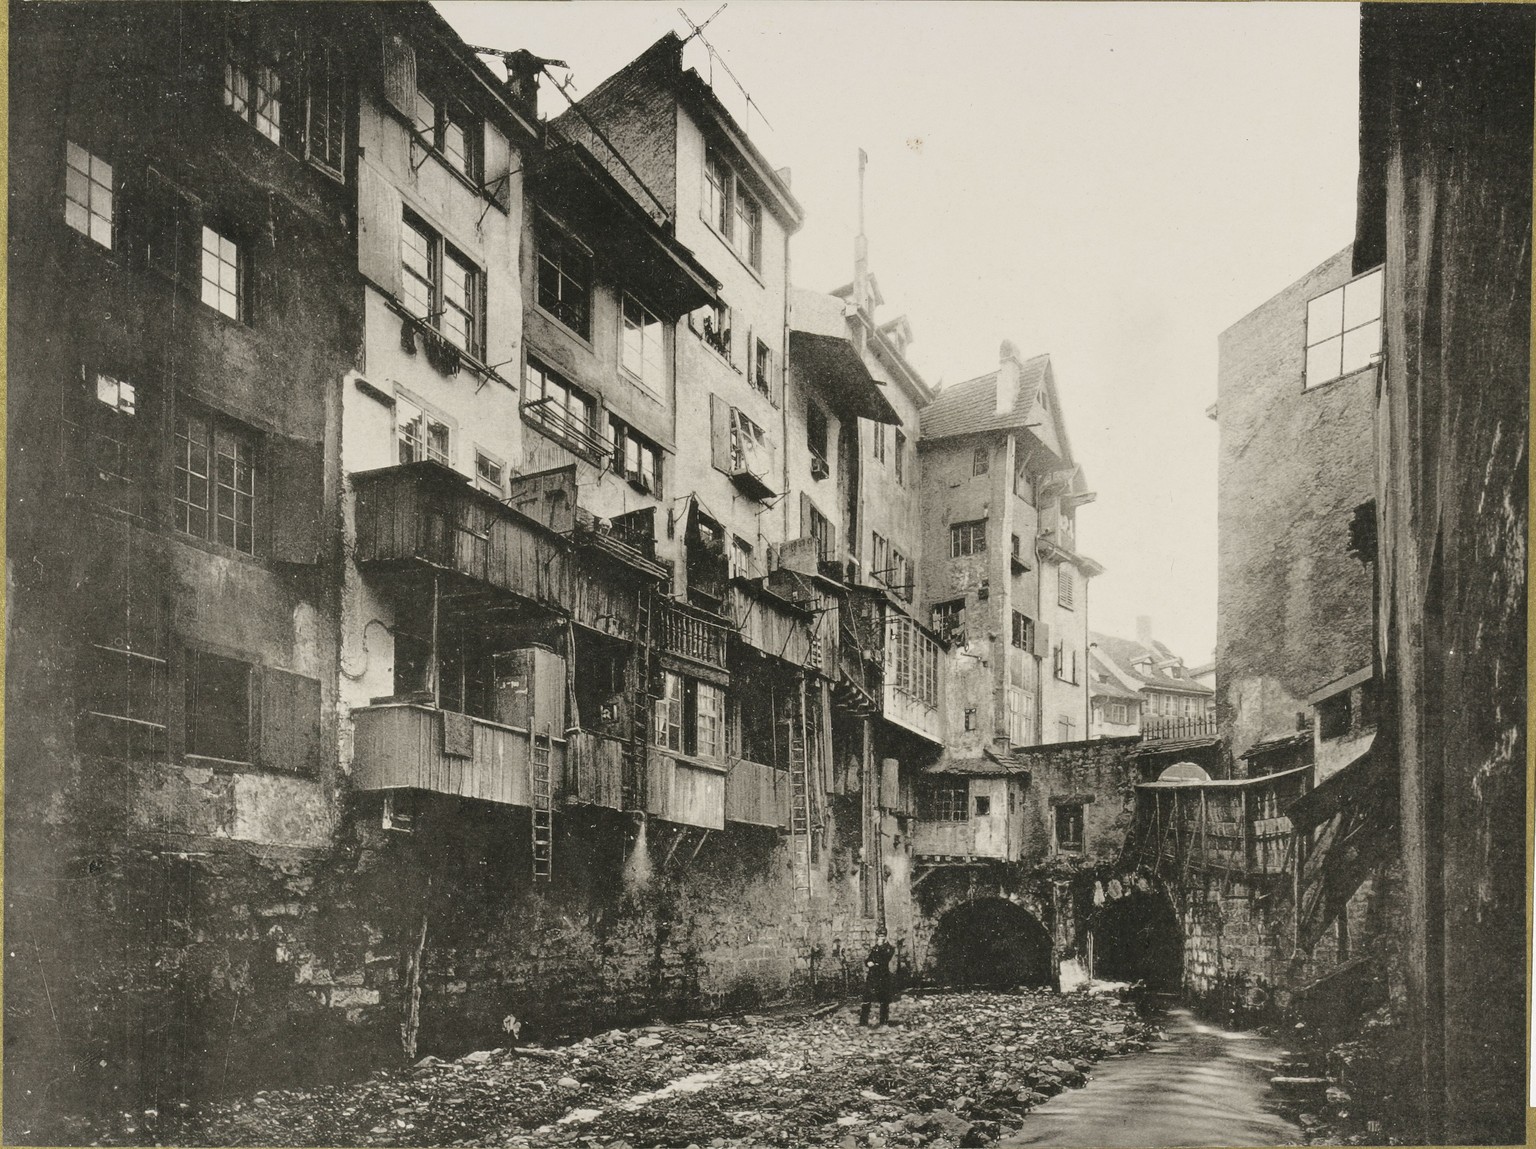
[440,255]
[87,175]
[1023,632]
[247,62]
[981,461]
[240,273]
[622,435]
[949,616]
[325,60]
[193,676]
[215,425]
[421,445]
[449,113]
[714,328]
[645,320]
[967,538]
[565,258]
[1072,817]
[482,480]
[562,427]
[946,802]
[731,209]
[1315,312]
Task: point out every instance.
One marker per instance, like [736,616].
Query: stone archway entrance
[1137,937]
[991,942]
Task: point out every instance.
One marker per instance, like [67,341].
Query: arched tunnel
[1137,938]
[991,942]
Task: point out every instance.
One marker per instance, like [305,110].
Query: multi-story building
[182,314]
[1296,384]
[1167,701]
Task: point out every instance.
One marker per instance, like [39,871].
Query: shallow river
[1202,1086]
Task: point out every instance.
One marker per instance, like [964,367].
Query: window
[742,563]
[490,474]
[1016,716]
[816,439]
[968,538]
[565,279]
[945,803]
[449,129]
[912,659]
[1065,663]
[979,461]
[420,435]
[218,714]
[635,457]
[1117,713]
[644,355]
[749,446]
[712,323]
[949,617]
[1066,586]
[690,717]
[215,481]
[669,712]
[221,273]
[1022,487]
[88,193]
[880,557]
[325,137]
[731,209]
[820,529]
[116,394]
[878,438]
[762,369]
[1333,716]
[709,720]
[983,805]
[1023,631]
[440,286]
[1344,329]
[903,582]
[556,404]
[1069,826]
[970,718]
[253,90]
[1065,727]
[901,458]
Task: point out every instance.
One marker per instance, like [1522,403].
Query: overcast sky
[1113,184]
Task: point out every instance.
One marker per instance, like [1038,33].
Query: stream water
[1202,1086]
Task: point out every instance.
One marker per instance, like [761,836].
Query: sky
[1110,183]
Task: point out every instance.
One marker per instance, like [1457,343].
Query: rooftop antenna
[698,30]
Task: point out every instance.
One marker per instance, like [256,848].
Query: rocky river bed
[955,1069]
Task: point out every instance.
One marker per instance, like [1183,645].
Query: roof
[969,407]
[1112,688]
[1221,783]
[1176,745]
[1123,652]
[1271,745]
[989,765]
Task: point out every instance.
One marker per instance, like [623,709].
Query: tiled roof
[1111,687]
[1123,652]
[965,408]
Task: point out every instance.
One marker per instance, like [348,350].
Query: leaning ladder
[799,797]
[640,714]
[543,805]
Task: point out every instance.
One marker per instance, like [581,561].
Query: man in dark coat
[877,979]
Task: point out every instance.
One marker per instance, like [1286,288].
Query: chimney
[1144,629]
[1008,372]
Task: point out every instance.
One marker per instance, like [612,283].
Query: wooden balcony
[677,789]
[691,634]
[594,771]
[757,795]
[1227,825]
[403,745]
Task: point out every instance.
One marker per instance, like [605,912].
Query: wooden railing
[1235,826]
[403,745]
[1173,728]
[692,636]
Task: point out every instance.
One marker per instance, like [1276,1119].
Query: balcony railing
[690,635]
[1173,729]
[1236,826]
[406,745]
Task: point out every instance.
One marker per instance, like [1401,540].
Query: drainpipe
[1087,670]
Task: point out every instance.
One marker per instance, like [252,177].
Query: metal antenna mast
[698,30]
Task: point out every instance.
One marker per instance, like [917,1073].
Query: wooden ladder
[799,796]
[541,758]
[642,701]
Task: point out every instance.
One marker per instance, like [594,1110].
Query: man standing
[877,978]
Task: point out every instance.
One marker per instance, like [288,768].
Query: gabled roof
[1123,653]
[971,407]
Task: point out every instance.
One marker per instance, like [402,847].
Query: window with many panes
[981,458]
[945,803]
[731,209]
[441,286]
[219,712]
[215,473]
[709,720]
[556,402]
[668,733]
[1023,631]
[253,89]
[635,457]
[421,434]
[490,473]
[644,353]
[88,193]
[450,129]
[221,274]
[1069,823]
[1021,716]
[1344,329]
[565,279]
[690,717]
[912,660]
[968,538]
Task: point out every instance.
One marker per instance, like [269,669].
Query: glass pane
[1359,345]
[76,186]
[1325,316]
[76,156]
[1323,361]
[76,217]
[101,171]
[211,294]
[227,277]
[426,115]
[226,250]
[101,201]
[1362,301]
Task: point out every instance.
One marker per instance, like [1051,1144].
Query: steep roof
[1124,652]
[969,407]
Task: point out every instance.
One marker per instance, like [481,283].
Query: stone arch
[991,941]
[1139,936]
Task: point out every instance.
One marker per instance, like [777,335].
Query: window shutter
[400,75]
[832,551]
[290,722]
[1042,638]
[805,515]
[378,229]
[498,165]
[172,229]
[720,433]
[296,489]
